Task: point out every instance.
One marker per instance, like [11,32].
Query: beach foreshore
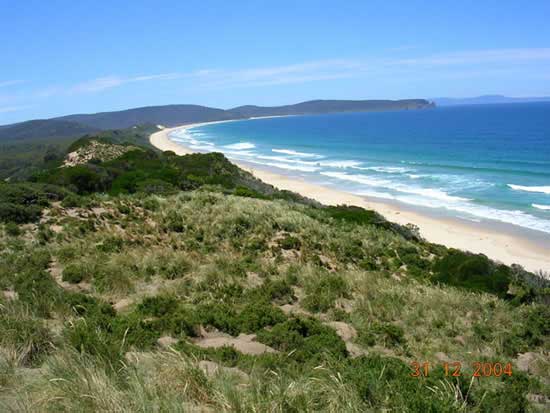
[504,246]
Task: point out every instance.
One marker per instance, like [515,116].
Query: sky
[64,57]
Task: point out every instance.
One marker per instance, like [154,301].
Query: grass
[86,294]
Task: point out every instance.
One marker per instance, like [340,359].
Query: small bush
[278,291]
[158,306]
[304,339]
[184,321]
[12,229]
[220,316]
[173,222]
[257,315]
[472,271]
[247,192]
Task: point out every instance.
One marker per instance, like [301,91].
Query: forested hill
[331,106]
[173,115]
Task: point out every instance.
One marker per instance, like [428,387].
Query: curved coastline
[497,244]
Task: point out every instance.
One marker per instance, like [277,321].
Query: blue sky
[63,57]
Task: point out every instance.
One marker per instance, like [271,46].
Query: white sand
[498,245]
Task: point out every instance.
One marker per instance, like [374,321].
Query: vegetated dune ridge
[139,280]
[497,245]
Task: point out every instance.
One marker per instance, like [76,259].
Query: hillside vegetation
[20,159]
[152,282]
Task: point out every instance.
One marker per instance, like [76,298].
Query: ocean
[477,162]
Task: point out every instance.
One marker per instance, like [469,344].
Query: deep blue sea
[476,162]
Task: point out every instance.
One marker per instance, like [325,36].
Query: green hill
[143,281]
[174,115]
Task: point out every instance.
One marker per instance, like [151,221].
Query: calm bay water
[475,162]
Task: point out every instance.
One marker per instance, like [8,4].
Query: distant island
[173,115]
[486,100]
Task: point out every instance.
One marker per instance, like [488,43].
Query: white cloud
[7,109]
[109,82]
[480,57]
[461,64]
[11,83]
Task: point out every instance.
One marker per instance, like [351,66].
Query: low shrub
[304,340]
[220,316]
[12,229]
[158,306]
[472,271]
[279,291]
[257,315]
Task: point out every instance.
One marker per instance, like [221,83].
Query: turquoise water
[474,162]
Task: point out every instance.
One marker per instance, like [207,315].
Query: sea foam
[399,187]
[543,207]
[542,189]
[240,146]
[295,153]
[287,166]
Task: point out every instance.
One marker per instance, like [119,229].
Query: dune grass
[95,286]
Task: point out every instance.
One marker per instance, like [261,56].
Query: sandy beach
[499,245]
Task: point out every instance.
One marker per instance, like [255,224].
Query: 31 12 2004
[455,369]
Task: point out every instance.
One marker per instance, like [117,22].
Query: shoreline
[502,246]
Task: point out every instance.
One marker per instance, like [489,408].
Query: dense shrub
[509,399]
[304,339]
[247,192]
[534,331]
[220,316]
[472,271]
[257,315]
[158,306]
[84,305]
[12,229]
[23,202]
